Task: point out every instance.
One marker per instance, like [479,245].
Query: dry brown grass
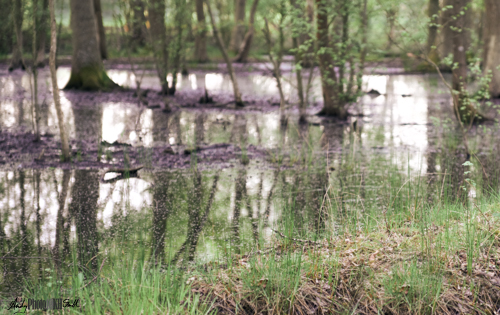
[378,273]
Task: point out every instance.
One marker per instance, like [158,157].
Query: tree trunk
[364,40]
[34,71]
[445,46]
[138,24]
[464,110]
[247,41]
[308,36]
[17,48]
[180,19]
[492,46]
[332,105]
[433,11]
[298,72]
[277,72]
[6,28]
[200,44]
[100,29]
[239,25]
[236,90]
[42,34]
[158,31]
[344,53]
[87,71]
[55,88]
[391,18]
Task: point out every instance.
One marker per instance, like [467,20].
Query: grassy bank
[443,259]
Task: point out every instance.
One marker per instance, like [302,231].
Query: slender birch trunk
[277,72]
[35,74]
[220,43]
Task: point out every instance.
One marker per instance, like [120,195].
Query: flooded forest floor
[172,206]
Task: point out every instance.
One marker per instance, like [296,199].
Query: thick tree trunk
[17,48]
[200,44]
[332,105]
[158,31]
[87,71]
[247,41]
[100,29]
[55,88]
[236,90]
[42,34]
[492,45]
[239,25]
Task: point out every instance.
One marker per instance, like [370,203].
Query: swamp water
[319,179]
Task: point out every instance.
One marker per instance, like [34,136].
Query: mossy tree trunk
[492,45]
[87,71]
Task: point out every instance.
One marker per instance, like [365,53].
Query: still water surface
[192,215]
